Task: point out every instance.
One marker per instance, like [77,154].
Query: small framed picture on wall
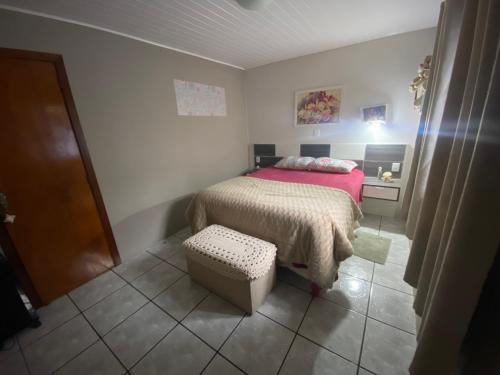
[374,113]
[318,106]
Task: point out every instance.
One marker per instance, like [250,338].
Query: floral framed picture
[318,106]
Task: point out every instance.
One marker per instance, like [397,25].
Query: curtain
[453,215]
[424,120]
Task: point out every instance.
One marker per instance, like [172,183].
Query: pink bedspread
[350,182]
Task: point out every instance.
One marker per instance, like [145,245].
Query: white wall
[374,72]
[147,159]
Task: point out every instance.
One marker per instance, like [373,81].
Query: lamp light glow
[254,4]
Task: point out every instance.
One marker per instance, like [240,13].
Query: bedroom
[147,117]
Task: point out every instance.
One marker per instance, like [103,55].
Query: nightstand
[378,189]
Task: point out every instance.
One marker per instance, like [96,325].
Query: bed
[351,183]
[309,216]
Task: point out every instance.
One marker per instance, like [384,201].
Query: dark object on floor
[315,290]
[16,312]
[481,348]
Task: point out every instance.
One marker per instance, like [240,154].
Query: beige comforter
[311,225]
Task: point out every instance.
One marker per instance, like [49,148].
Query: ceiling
[222,31]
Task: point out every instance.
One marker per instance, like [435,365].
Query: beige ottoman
[235,266]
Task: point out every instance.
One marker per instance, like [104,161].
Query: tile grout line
[50,331]
[159,243]
[295,334]
[157,265]
[287,352]
[163,337]
[179,322]
[327,349]
[355,277]
[398,264]
[358,278]
[157,257]
[308,339]
[275,321]
[100,338]
[99,300]
[149,300]
[326,299]
[163,290]
[371,282]
[370,372]
[170,286]
[168,332]
[302,290]
[80,352]
[81,311]
[388,287]
[136,289]
[120,322]
[149,251]
[209,362]
[165,261]
[366,321]
[173,265]
[390,325]
[143,273]
[22,355]
[217,351]
[154,346]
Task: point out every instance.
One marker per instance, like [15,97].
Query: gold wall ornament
[419,84]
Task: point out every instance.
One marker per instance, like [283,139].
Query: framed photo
[318,106]
[374,113]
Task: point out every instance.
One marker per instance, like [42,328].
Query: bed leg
[315,290]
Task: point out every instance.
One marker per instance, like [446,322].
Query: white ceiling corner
[221,31]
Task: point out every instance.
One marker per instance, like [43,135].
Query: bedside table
[378,189]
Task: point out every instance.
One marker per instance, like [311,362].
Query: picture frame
[319,106]
[374,113]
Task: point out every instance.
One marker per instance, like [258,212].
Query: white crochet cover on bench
[231,253]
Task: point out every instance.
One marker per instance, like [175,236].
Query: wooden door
[61,237]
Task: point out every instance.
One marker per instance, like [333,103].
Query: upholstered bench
[235,266]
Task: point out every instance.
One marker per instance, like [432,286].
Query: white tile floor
[148,317]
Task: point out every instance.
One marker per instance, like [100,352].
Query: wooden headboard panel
[265,155]
[381,155]
[315,150]
[368,156]
[264,149]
